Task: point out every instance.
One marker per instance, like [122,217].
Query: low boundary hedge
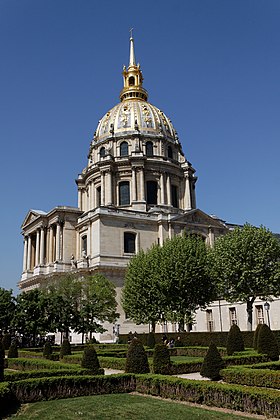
[252,377]
[34,364]
[248,399]
[12,376]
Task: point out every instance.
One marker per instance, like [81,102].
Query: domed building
[137,189]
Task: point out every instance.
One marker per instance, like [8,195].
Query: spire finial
[132,61]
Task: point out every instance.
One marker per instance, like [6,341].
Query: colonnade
[42,246]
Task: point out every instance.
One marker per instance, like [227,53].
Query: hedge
[13,376]
[267,365]
[236,397]
[34,364]
[251,377]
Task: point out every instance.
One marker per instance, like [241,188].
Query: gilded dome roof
[134,116]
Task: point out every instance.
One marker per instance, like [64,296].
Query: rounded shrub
[151,341]
[235,340]
[13,351]
[161,359]
[256,336]
[136,358]
[90,360]
[2,361]
[65,349]
[7,341]
[212,364]
[47,350]
[267,343]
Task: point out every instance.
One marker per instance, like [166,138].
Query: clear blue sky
[212,66]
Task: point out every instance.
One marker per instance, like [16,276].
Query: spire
[133,78]
[132,61]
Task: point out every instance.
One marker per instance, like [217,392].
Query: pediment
[31,216]
[198,217]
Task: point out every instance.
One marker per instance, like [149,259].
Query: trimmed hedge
[251,377]
[13,376]
[36,364]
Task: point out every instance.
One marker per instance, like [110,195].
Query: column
[168,186]
[57,241]
[92,205]
[162,201]
[187,195]
[102,189]
[24,265]
[79,198]
[37,249]
[109,188]
[42,246]
[51,245]
[133,185]
[29,253]
[142,189]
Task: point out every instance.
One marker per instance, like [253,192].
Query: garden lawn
[118,406]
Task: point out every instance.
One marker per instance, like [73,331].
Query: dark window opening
[124,194]
[124,149]
[131,81]
[149,148]
[170,152]
[98,196]
[174,196]
[84,245]
[102,152]
[129,242]
[152,192]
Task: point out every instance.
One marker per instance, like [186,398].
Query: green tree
[47,350]
[7,308]
[267,343]
[90,361]
[97,304]
[256,336]
[6,341]
[65,349]
[13,351]
[235,340]
[2,361]
[245,265]
[161,359]
[212,364]
[136,359]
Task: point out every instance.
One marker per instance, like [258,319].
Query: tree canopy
[245,265]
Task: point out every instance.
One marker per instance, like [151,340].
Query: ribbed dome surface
[134,116]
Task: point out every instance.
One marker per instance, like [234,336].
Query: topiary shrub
[2,361]
[235,340]
[267,343]
[136,359]
[212,364]
[65,349]
[47,350]
[161,359]
[13,351]
[6,341]
[256,336]
[90,361]
[151,341]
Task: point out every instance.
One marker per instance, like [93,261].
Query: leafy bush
[136,359]
[47,350]
[90,361]
[161,359]
[251,377]
[2,361]
[212,364]
[256,337]
[235,340]
[151,341]
[65,348]
[267,343]
[13,351]
[7,340]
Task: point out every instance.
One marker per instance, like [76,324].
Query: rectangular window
[124,196]
[259,314]
[232,316]
[209,320]
[84,245]
[129,242]
[174,196]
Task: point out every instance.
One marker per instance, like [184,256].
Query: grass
[117,406]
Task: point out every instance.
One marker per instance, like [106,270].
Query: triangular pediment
[31,216]
[198,217]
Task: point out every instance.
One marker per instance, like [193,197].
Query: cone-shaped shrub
[267,343]
[256,336]
[235,340]
[47,350]
[65,349]
[13,351]
[6,341]
[136,359]
[161,359]
[212,364]
[2,361]
[151,341]
[90,361]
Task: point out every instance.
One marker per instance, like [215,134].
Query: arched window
[131,81]
[124,149]
[152,188]
[129,242]
[174,196]
[84,245]
[149,148]
[124,193]
[170,152]
[102,152]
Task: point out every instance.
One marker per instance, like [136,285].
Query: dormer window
[131,81]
